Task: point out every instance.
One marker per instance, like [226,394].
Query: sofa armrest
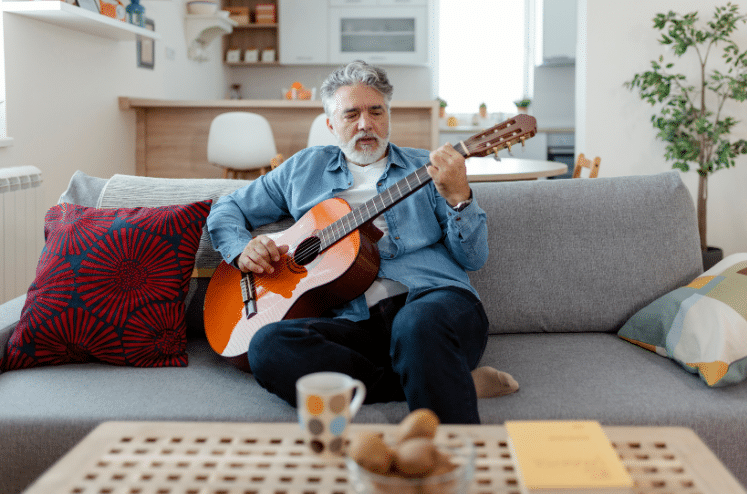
[10,315]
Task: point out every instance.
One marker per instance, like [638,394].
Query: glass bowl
[459,448]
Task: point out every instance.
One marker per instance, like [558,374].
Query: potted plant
[441,108]
[690,110]
[523,104]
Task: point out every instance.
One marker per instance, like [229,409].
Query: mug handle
[360,395]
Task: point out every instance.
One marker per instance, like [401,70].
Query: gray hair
[358,72]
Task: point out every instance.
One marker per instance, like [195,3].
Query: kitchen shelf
[252,35]
[76,18]
[252,64]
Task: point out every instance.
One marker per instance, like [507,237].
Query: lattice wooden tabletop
[236,458]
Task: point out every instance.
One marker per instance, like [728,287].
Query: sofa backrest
[584,254]
[565,255]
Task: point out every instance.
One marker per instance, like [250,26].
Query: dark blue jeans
[421,351]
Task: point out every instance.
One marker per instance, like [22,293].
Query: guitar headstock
[504,135]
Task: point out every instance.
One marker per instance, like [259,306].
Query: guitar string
[345,225]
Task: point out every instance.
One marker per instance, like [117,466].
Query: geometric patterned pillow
[109,287]
[702,326]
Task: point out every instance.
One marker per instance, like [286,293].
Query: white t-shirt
[363,189]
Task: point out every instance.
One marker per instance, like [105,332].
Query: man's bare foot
[491,383]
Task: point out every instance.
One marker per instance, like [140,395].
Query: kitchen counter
[171,135]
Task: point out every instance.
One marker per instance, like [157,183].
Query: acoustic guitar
[332,257]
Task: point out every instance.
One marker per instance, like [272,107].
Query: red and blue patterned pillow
[110,287]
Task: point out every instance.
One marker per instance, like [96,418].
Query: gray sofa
[570,262]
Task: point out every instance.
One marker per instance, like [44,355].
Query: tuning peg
[523,141]
[495,154]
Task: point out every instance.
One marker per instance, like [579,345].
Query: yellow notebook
[566,457]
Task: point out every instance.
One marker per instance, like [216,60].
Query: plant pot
[711,256]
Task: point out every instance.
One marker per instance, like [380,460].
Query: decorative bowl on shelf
[202,7]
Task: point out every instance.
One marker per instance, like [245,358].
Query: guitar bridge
[249,294]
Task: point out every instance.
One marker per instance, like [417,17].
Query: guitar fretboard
[373,207]
[500,136]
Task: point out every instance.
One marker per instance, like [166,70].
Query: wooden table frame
[243,458]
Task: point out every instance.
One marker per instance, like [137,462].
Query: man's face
[361,123]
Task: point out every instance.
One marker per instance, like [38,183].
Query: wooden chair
[583,162]
[242,144]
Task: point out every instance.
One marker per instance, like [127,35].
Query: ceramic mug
[326,404]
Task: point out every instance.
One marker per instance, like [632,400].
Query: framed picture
[146,48]
[91,5]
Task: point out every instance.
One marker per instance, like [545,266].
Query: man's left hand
[449,174]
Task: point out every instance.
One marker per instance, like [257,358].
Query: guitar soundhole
[307,251]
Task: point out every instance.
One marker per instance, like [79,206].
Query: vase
[711,256]
[136,13]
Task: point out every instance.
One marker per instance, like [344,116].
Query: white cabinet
[389,3]
[559,31]
[402,3]
[380,34]
[304,32]
[390,32]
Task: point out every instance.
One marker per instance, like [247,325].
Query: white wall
[616,41]
[62,88]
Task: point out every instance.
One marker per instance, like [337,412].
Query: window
[485,54]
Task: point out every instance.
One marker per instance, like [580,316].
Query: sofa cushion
[584,255]
[134,191]
[110,286]
[703,325]
[83,190]
[127,191]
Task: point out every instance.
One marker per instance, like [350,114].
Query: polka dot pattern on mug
[326,422]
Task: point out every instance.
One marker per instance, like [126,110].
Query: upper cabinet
[304,32]
[369,3]
[392,32]
[558,31]
[379,34]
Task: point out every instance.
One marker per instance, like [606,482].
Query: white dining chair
[319,133]
[242,144]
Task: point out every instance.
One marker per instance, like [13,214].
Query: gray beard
[370,154]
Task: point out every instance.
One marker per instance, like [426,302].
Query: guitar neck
[503,135]
[374,206]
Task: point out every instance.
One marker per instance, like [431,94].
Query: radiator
[22,213]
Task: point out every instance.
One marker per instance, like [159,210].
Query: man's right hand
[259,254]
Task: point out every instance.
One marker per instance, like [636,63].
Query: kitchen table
[487,169]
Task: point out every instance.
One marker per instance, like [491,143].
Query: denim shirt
[429,244]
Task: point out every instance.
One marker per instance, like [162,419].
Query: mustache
[364,135]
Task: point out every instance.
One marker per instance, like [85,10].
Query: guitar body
[338,274]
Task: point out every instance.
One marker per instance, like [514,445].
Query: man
[420,329]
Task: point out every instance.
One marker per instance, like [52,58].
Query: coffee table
[242,458]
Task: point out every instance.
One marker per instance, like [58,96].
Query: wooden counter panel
[172,139]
